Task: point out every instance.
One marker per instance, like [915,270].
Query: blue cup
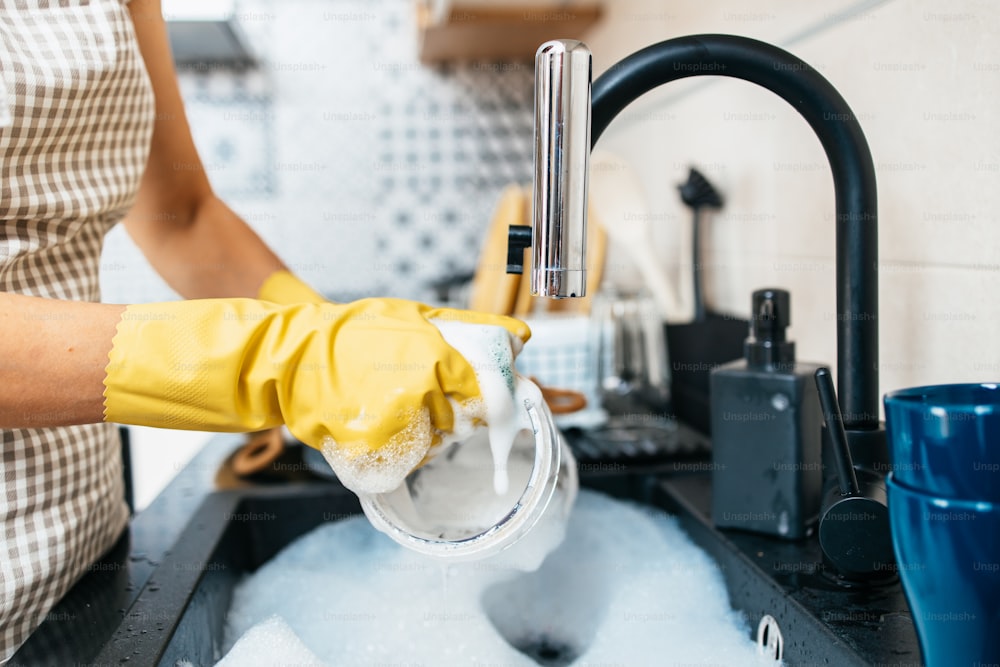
[948,554]
[945,439]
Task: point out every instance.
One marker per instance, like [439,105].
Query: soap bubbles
[626,586]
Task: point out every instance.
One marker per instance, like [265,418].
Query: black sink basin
[188,595]
[164,597]
[822,622]
[180,612]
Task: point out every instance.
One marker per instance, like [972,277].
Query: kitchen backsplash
[373,174]
[368,172]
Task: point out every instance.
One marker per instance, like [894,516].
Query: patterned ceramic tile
[378,174]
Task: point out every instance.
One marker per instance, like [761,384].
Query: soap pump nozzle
[767,347]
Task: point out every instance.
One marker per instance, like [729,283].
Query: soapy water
[625,587]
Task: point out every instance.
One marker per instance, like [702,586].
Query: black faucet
[563,140]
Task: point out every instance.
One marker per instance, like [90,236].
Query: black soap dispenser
[766,422]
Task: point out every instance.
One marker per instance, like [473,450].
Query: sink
[180,612]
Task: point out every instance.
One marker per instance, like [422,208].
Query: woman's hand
[374,376]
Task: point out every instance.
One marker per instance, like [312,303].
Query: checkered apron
[76,113]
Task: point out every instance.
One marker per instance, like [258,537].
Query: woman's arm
[200,247]
[53,373]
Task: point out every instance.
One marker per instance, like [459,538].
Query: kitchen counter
[821,623]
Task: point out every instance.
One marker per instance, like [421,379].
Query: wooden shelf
[508,33]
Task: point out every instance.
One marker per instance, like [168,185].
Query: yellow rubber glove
[286,288]
[374,375]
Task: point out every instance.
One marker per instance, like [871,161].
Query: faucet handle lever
[846,475]
[854,532]
[518,240]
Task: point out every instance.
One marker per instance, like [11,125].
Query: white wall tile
[923,78]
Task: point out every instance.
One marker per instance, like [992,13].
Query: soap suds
[488,351]
[365,469]
[268,644]
[626,586]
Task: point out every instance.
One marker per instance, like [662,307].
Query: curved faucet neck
[850,161]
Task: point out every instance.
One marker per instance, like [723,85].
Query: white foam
[626,586]
[268,644]
[488,351]
[365,469]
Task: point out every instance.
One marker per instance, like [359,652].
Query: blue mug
[948,554]
[945,439]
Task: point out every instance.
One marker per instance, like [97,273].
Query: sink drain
[548,652]
[769,640]
[550,615]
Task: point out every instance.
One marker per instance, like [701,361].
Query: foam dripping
[488,351]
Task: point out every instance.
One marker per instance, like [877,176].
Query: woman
[92,132]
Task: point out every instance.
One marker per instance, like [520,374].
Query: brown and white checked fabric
[76,113]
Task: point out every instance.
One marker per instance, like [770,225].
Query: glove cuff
[188,365]
[285,288]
